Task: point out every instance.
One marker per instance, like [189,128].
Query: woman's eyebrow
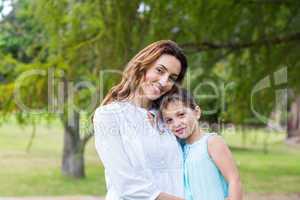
[166,69]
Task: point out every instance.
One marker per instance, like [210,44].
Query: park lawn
[270,168]
[37,172]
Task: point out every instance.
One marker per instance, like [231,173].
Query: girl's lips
[180,130]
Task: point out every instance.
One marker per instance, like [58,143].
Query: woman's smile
[157,88]
[161,76]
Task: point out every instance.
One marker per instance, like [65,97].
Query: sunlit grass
[37,172]
[266,163]
[273,168]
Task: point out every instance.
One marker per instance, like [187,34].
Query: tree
[77,39]
[72,41]
[293,123]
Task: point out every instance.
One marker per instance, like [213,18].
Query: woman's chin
[153,96]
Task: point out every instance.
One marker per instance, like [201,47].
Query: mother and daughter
[148,137]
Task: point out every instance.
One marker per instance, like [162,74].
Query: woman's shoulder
[107,111]
[114,109]
[107,107]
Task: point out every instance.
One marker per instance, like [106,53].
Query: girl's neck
[195,136]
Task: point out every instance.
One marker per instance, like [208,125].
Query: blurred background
[58,58]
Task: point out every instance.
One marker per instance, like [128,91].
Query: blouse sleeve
[122,158]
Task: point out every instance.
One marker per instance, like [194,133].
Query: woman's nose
[163,81]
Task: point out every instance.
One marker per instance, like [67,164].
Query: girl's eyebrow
[179,111]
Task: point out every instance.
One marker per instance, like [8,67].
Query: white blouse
[139,161]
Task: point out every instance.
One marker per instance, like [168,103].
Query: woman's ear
[198,110]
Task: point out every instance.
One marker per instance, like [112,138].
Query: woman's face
[160,77]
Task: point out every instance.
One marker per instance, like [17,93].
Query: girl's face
[180,119]
[160,77]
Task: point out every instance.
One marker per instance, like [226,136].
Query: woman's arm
[123,159]
[223,158]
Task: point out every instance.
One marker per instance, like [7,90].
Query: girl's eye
[168,121]
[181,114]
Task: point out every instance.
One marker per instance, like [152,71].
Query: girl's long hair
[138,65]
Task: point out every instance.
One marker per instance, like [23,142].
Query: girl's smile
[182,120]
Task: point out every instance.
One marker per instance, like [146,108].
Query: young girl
[209,169]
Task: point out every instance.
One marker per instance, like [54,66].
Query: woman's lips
[156,88]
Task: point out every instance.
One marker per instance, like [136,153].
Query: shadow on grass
[246,150]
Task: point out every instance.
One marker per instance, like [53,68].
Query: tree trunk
[293,133]
[73,149]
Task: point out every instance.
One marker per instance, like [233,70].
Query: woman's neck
[141,101]
[195,136]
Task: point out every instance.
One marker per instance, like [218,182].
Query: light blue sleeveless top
[202,178]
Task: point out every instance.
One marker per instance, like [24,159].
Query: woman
[141,162]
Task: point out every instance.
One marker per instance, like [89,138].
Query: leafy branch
[206,45]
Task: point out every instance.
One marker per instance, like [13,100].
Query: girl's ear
[198,110]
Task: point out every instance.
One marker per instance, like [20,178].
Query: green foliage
[235,43]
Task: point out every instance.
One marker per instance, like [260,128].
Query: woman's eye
[172,79]
[159,70]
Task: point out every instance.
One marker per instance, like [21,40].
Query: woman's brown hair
[138,65]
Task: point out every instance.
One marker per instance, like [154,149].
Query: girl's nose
[176,123]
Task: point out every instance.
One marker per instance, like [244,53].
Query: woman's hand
[165,196]
[151,118]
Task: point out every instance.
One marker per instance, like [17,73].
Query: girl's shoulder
[216,142]
[210,134]
[206,138]
[213,138]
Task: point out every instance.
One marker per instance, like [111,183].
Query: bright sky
[7,8]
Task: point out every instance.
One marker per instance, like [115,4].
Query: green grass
[37,172]
[266,164]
